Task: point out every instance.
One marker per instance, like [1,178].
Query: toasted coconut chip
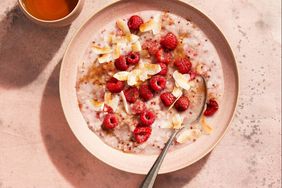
[128,38]
[158,24]
[136,47]
[119,39]
[101,50]
[188,135]
[109,38]
[111,100]
[124,102]
[121,76]
[132,38]
[149,68]
[147,26]
[105,58]
[133,77]
[152,69]
[182,80]
[174,102]
[117,51]
[153,24]
[177,92]
[206,128]
[122,25]
[143,76]
[96,105]
[177,121]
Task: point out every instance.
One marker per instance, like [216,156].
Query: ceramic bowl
[67,20]
[135,163]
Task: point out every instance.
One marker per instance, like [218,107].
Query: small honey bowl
[51,13]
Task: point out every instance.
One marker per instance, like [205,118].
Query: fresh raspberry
[133,58]
[147,118]
[158,83]
[169,41]
[131,94]
[108,109]
[141,134]
[138,107]
[145,92]
[114,85]
[110,121]
[183,65]
[121,64]
[212,107]
[182,103]
[134,23]
[164,69]
[167,98]
[152,46]
[163,56]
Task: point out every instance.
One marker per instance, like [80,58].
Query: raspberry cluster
[163,53]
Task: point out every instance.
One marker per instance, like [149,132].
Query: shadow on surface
[77,165]
[181,177]
[25,48]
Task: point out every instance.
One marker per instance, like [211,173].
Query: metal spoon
[152,174]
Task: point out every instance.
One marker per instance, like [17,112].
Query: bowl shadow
[25,48]
[81,168]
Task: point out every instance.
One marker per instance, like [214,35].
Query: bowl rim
[236,74]
[22,6]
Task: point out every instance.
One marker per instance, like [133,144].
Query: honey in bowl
[49,9]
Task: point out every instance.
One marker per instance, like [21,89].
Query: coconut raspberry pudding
[139,80]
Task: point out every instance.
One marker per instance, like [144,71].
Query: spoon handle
[152,174]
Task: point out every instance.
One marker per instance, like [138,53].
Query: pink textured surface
[37,148]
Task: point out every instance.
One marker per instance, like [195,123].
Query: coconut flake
[121,76]
[132,38]
[111,100]
[101,50]
[174,102]
[136,47]
[177,121]
[149,68]
[122,25]
[157,24]
[105,58]
[147,26]
[153,24]
[188,135]
[124,102]
[95,105]
[177,92]
[133,77]
[117,51]
[206,127]
[182,80]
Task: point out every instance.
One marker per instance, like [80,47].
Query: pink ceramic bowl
[134,163]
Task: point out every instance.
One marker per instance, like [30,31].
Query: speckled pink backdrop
[37,148]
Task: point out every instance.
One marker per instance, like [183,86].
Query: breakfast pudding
[139,80]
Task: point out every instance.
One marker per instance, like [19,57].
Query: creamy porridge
[138,81]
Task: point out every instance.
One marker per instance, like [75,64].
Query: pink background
[37,148]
